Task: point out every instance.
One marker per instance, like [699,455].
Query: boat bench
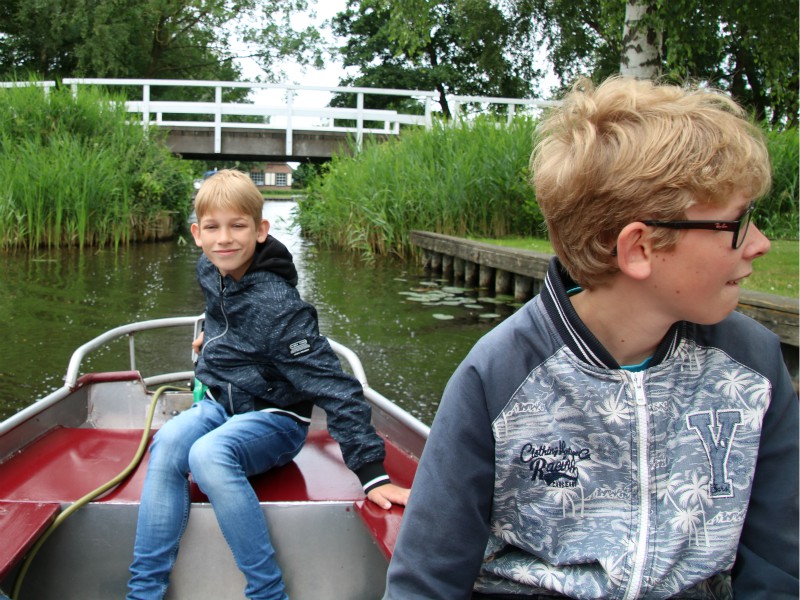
[22,523]
[68,463]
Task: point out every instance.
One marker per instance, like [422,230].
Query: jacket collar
[575,333]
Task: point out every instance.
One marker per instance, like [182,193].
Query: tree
[107,38]
[640,44]
[747,47]
[464,47]
[158,39]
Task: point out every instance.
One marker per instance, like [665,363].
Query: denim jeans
[220,452]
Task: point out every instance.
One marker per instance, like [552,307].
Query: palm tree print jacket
[569,476]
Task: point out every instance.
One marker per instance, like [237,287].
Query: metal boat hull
[330,545]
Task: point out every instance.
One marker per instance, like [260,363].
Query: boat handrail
[73,372]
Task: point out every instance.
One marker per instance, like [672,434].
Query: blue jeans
[221,452]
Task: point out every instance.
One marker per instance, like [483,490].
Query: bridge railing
[283,107]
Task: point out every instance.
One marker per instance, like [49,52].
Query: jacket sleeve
[767,559]
[309,364]
[445,526]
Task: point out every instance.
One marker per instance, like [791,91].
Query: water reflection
[409,332]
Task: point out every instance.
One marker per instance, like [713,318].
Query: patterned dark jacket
[263,351]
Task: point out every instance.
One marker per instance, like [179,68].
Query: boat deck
[67,463]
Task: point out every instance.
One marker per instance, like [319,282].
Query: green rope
[95,493]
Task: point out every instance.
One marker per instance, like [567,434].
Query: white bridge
[281,122]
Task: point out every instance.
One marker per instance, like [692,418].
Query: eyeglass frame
[734,227]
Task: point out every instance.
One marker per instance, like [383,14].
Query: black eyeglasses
[738,228]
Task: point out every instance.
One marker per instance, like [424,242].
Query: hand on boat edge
[388,494]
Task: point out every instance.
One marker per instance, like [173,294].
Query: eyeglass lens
[738,238]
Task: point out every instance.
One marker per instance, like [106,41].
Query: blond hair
[232,190]
[630,150]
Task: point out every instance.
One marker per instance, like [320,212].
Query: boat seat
[383,525]
[22,523]
[68,463]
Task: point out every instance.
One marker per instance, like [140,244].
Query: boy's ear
[263,231]
[196,235]
[634,251]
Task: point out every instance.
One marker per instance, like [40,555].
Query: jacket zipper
[227,326]
[643,435]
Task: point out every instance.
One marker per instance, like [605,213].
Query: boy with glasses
[625,434]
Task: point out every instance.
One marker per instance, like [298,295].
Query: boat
[72,466]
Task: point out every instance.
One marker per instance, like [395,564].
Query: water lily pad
[489,316]
[443,317]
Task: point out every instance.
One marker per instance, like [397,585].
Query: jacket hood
[272,255]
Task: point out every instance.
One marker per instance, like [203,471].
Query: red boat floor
[68,463]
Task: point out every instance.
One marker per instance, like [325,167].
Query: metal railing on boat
[71,379]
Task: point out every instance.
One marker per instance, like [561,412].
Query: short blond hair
[630,150]
[232,190]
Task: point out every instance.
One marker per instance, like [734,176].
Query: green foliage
[470,180]
[777,214]
[461,180]
[154,38]
[746,48]
[464,47]
[74,172]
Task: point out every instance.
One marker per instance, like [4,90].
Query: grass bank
[776,273]
[74,172]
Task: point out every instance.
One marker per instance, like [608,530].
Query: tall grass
[469,181]
[464,180]
[73,172]
[777,215]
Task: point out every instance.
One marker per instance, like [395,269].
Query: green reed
[459,180]
[777,214]
[467,180]
[74,172]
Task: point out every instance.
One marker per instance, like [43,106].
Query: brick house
[272,176]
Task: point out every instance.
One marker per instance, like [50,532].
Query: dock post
[503,282]
[470,274]
[486,277]
[447,265]
[436,262]
[523,288]
[458,269]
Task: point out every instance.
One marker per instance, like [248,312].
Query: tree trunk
[640,45]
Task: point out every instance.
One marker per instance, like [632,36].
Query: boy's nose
[756,244]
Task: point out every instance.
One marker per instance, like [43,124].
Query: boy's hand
[197,344]
[387,494]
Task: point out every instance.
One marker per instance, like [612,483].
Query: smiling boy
[625,434]
[265,366]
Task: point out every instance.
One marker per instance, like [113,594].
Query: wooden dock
[520,273]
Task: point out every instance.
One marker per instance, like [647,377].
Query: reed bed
[777,214]
[74,172]
[468,180]
[461,180]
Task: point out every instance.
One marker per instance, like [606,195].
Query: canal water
[410,332]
